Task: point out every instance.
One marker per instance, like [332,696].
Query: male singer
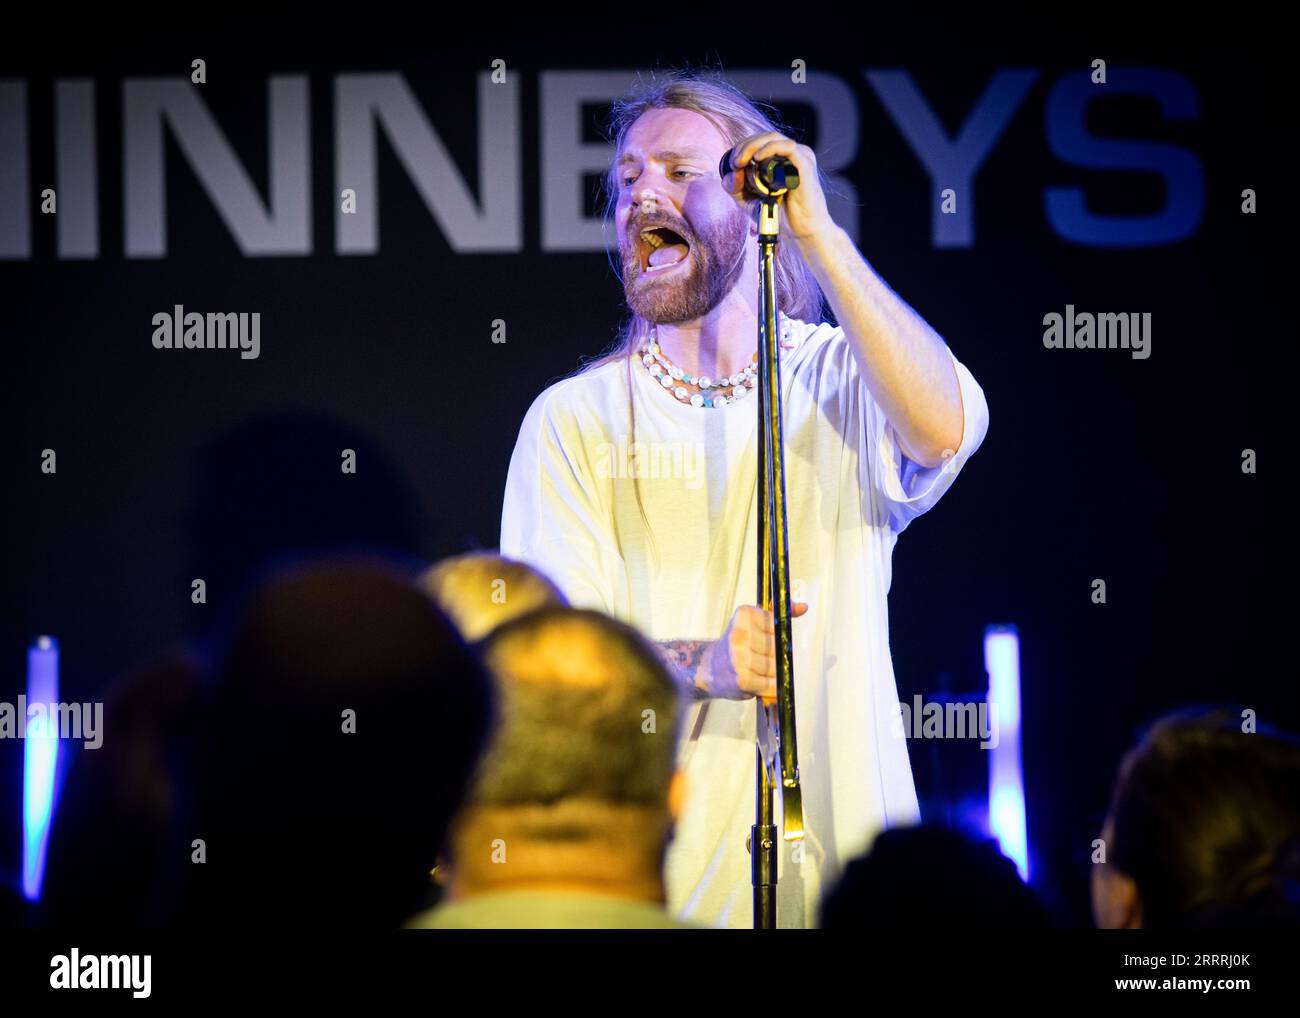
[879,418]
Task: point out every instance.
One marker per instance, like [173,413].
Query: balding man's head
[581,765]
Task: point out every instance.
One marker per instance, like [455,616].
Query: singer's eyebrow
[665,156]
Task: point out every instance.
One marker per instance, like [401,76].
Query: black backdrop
[176,465]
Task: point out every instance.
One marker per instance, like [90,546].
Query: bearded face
[674,271]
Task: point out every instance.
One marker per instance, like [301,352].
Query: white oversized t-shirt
[570,511]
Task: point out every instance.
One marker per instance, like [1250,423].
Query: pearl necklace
[713,393]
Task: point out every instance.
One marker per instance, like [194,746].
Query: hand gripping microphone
[770,178]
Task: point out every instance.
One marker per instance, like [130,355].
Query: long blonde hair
[737,117]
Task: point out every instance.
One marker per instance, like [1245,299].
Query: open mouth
[661,248]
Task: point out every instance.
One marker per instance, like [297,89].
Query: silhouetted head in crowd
[935,879]
[579,783]
[1203,828]
[480,590]
[118,851]
[347,719]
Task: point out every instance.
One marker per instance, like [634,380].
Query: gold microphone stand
[770,181]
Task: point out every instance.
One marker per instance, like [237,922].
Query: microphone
[772,176]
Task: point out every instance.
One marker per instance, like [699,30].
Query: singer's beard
[717,257]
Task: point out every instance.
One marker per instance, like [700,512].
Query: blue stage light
[40,761]
[1006,780]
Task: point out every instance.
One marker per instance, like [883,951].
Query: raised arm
[903,361]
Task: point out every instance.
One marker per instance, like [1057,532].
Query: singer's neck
[718,344]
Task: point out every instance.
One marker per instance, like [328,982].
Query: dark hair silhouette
[934,878]
[346,721]
[118,849]
[1205,818]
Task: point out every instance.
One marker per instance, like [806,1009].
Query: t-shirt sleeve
[906,489]
[551,517]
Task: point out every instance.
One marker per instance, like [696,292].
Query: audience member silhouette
[932,879]
[1203,828]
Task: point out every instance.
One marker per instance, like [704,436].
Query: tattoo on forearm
[683,657]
